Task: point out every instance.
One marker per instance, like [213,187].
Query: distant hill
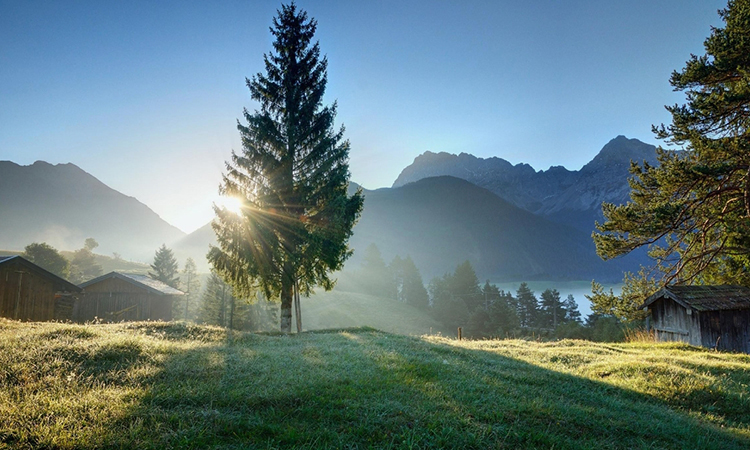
[63,205]
[561,195]
[195,245]
[442,221]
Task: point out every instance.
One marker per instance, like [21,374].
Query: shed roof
[148,283]
[62,283]
[704,298]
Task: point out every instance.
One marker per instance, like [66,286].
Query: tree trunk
[286,306]
[297,308]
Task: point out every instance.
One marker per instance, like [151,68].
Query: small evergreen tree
[215,301]
[396,270]
[190,284]
[571,310]
[48,258]
[219,306]
[165,267]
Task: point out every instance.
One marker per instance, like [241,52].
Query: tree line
[458,299]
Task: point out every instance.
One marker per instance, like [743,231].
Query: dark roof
[62,283]
[148,283]
[705,298]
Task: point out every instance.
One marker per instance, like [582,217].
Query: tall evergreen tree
[291,178]
[496,316]
[692,210]
[376,278]
[413,291]
[465,285]
[527,306]
[551,309]
[448,309]
[165,267]
[48,258]
[571,310]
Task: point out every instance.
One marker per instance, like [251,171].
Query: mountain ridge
[571,197]
[62,205]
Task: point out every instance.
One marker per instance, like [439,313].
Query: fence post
[459,333]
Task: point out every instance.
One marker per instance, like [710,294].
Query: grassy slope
[340,309]
[151,385]
[110,264]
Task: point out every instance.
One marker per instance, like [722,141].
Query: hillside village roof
[64,284]
[148,283]
[705,298]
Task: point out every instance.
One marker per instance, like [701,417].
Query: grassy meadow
[166,385]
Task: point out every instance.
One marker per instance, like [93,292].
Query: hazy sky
[145,95]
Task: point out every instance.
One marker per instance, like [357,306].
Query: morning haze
[397,224]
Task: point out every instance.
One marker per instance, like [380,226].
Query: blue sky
[145,95]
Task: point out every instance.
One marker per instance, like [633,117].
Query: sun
[231,204]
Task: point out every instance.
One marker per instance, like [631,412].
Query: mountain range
[571,197]
[511,221]
[63,205]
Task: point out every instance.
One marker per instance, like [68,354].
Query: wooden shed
[28,292]
[118,297]
[709,316]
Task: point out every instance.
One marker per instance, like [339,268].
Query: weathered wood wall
[726,330]
[117,300]
[35,300]
[671,322]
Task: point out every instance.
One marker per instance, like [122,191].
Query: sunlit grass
[154,385]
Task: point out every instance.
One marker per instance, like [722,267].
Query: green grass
[156,385]
[341,309]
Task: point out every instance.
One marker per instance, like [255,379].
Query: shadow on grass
[366,389]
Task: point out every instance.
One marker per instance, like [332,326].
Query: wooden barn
[28,292]
[709,316]
[116,297]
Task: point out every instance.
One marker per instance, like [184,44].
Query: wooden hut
[28,292]
[118,297]
[709,316]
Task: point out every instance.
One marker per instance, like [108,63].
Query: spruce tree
[165,267]
[571,310]
[412,289]
[465,285]
[551,309]
[376,278]
[527,306]
[291,178]
[448,309]
[692,210]
[190,284]
[214,302]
